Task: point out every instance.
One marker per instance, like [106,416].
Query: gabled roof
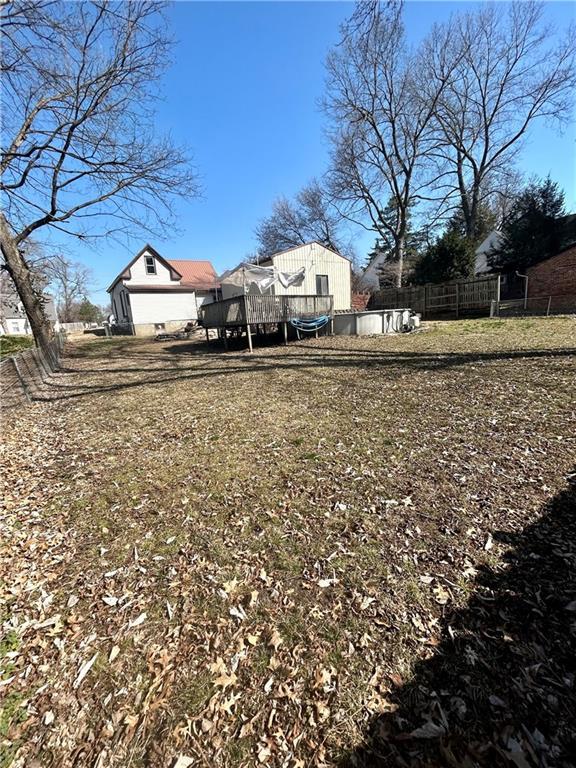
[195,275]
[303,245]
[268,259]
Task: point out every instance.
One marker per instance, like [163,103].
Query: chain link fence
[25,376]
[534,305]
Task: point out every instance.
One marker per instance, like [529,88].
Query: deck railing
[220,314]
[255,308]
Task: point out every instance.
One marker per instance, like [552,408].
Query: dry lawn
[342,552]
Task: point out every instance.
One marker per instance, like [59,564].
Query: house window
[322,285]
[150,265]
[124,303]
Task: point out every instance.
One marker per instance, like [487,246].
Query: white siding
[157,307]
[204,297]
[493,240]
[17,327]
[138,274]
[318,261]
[371,275]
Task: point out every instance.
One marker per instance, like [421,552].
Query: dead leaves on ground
[261,602]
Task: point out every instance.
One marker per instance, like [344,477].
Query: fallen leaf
[110,600]
[84,669]
[183,761]
[48,717]
[225,680]
[275,639]
[113,653]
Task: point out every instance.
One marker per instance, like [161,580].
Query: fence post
[21,379]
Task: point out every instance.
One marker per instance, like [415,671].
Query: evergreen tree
[451,257]
[532,232]
[88,312]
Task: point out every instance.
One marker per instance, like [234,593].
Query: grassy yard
[341,552]
[9,345]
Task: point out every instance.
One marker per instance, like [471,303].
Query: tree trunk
[30,298]
[400,247]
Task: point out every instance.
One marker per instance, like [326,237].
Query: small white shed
[325,273]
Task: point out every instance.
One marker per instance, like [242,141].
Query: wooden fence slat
[472,294]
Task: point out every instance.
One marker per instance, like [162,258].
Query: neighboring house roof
[193,275]
[492,240]
[566,235]
[197,274]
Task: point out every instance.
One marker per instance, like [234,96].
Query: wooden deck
[252,312]
[261,310]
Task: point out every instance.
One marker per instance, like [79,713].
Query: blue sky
[243,93]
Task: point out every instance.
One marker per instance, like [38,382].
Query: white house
[153,294]
[491,241]
[370,279]
[324,272]
[13,319]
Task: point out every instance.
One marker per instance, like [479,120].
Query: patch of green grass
[11,713]
[10,642]
[10,345]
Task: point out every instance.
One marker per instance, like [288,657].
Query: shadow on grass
[500,689]
[204,364]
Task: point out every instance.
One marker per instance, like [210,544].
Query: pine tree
[532,232]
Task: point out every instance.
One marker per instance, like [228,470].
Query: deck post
[249,334]
[225,338]
[285,329]
[207,336]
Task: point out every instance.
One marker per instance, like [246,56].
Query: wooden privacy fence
[24,376]
[457,296]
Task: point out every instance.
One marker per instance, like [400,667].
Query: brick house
[555,277]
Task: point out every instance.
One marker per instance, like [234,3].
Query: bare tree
[79,154]
[382,112]
[507,73]
[310,216]
[69,281]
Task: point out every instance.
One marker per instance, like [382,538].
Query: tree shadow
[500,689]
[205,366]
